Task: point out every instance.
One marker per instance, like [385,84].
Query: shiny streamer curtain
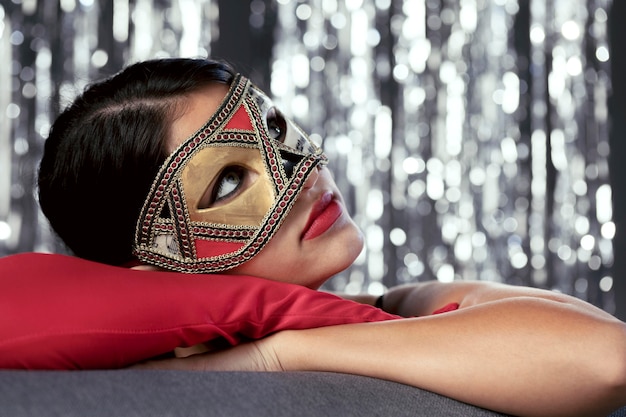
[469,137]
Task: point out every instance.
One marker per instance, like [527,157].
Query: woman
[183,165]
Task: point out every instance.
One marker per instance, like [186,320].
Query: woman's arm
[422,299]
[522,355]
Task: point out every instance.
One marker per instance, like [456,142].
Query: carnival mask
[222,194]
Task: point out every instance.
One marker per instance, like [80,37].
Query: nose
[313,177]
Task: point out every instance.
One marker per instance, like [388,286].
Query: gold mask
[247,151]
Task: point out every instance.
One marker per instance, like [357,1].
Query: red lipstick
[323,215]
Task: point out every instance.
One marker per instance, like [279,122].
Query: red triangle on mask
[210,248]
[240,120]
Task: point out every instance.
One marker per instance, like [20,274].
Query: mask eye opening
[289,160]
[228,184]
[276,124]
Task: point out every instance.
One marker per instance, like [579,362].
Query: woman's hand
[257,356]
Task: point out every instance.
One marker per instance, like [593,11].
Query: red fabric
[446,308]
[61,312]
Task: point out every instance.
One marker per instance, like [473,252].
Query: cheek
[275,261]
[285,260]
[310,263]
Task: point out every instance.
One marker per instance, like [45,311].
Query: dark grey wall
[248,48]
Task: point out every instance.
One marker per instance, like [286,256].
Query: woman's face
[317,239]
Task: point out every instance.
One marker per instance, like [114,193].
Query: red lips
[323,215]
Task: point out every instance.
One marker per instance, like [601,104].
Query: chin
[338,256]
[347,250]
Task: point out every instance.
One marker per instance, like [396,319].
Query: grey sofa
[135,393]
[172,393]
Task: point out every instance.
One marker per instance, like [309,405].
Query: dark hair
[105,149]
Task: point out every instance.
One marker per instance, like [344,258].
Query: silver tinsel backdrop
[470,137]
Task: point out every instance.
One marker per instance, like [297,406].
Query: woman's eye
[228,183]
[276,125]
[275,130]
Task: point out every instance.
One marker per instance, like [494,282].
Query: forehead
[197,107]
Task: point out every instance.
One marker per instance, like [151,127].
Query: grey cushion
[172,393]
